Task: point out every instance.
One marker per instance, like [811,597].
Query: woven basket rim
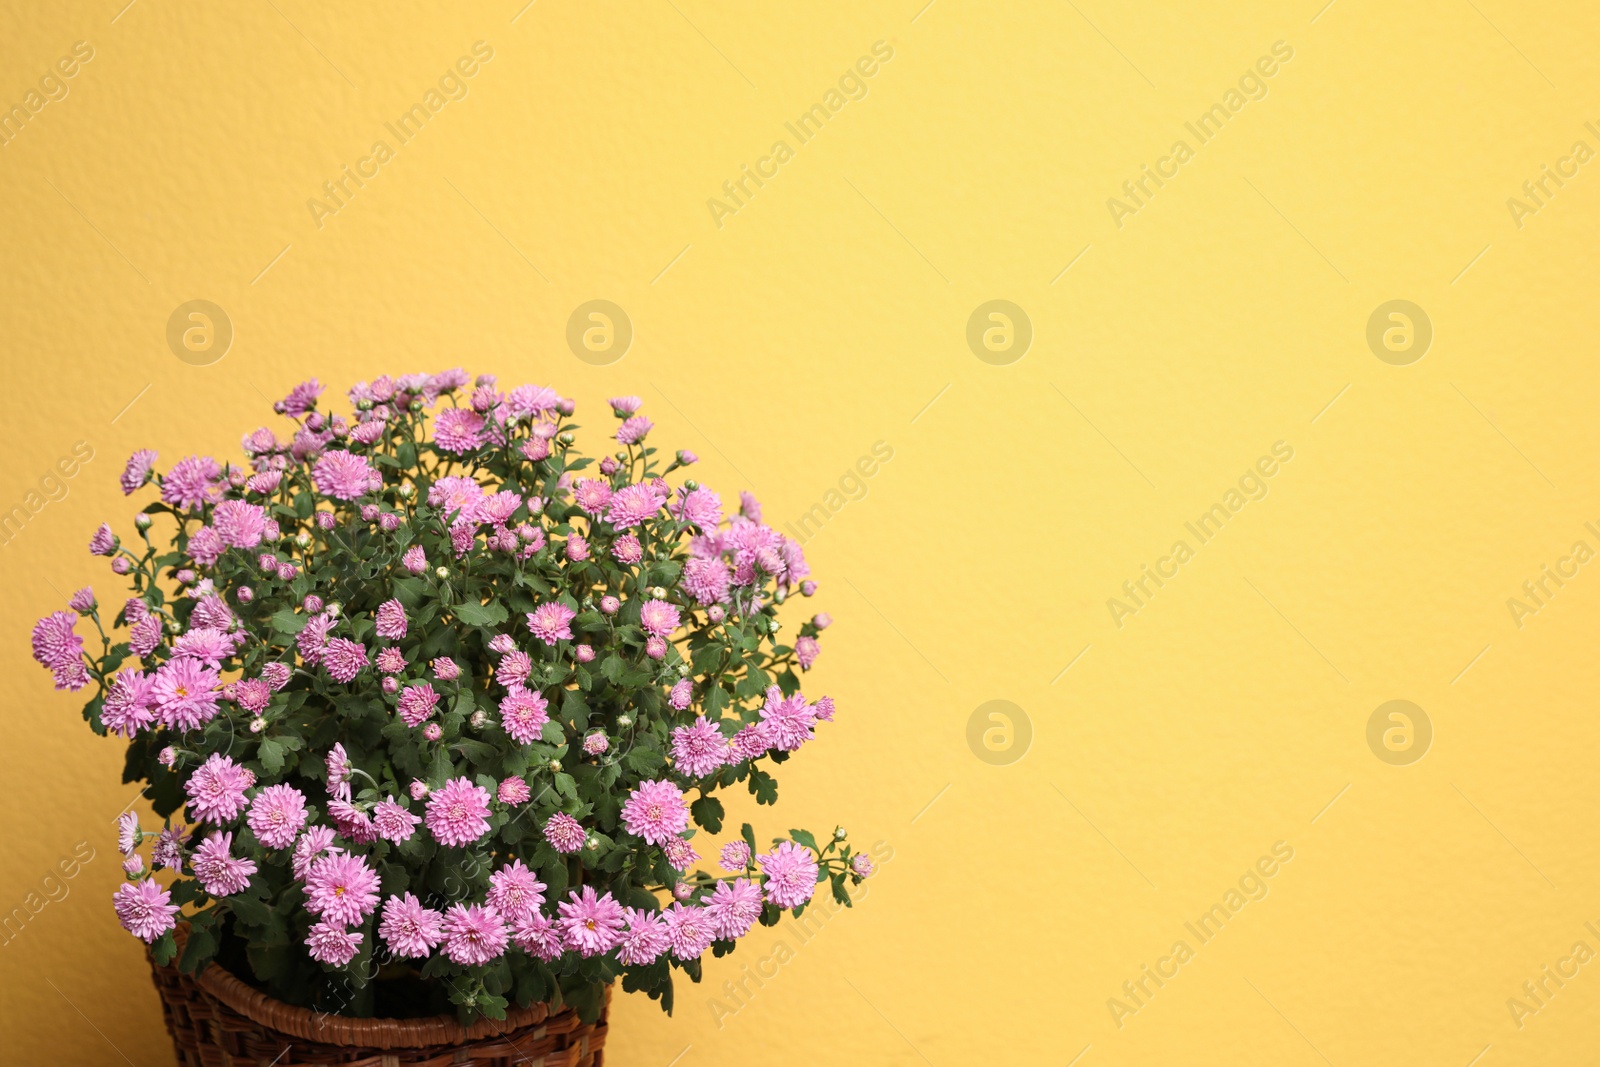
[310,1025]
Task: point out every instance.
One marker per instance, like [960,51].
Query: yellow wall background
[829,313]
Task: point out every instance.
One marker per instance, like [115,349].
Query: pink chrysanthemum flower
[699,749]
[596,743]
[592,495]
[645,940]
[216,789]
[313,638]
[301,399]
[656,812]
[145,636]
[458,430]
[129,704]
[734,907]
[523,714]
[474,934]
[344,658]
[276,675]
[589,924]
[735,856]
[690,930]
[445,669]
[329,943]
[390,660]
[633,430]
[339,769]
[205,546]
[137,472]
[144,909]
[393,822]
[352,822]
[343,475]
[168,850]
[415,560]
[209,646]
[791,874]
[417,702]
[680,854]
[311,845]
[82,601]
[699,507]
[193,482]
[127,832]
[824,709]
[577,548]
[632,504]
[391,620]
[103,542]
[750,742]
[212,612]
[861,865]
[788,719]
[410,930]
[565,834]
[342,889]
[513,791]
[627,549]
[548,622]
[749,506]
[655,647]
[220,872]
[56,643]
[515,892]
[458,812]
[682,694]
[514,668]
[239,524]
[806,651]
[625,404]
[276,815]
[658,617]
[539,936]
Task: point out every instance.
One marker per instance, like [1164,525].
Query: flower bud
[185,576]
[658,592]
[685,457]
[168,757]
[363,404]
[566,437]
[334,609]
[432,731]
[839,833]
[808,587]
[417,405]
[419,789]
[257,724]
[624,721]
[245,594]
[715,613]
[406,491]
[303,539]
[441,572]
[683,891]
[142,521]
[133,867]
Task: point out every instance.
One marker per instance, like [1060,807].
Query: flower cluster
[420,687]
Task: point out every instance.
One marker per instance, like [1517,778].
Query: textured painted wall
[1193,217]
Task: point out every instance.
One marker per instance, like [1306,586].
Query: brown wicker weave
[217,1021]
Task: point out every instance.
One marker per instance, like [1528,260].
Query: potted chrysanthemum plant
[433,714]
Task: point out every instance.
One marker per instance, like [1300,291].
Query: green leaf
[288,621]
[270,753]
[716,699]
[764,786]
[199,950]
[708,812]
[164,949]
[804,837]
[748,833]
[490,614]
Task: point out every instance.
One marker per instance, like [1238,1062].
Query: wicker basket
[217,1021]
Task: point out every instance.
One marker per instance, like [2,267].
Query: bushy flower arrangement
[428,701]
